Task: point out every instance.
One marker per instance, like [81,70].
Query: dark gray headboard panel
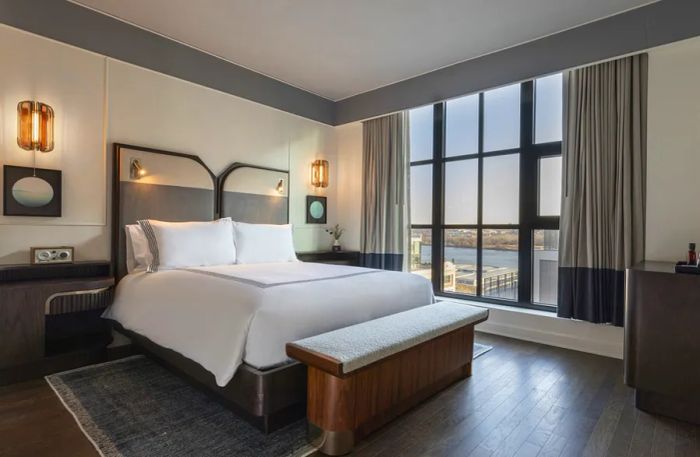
[248,193]
[180,187]
[175,187]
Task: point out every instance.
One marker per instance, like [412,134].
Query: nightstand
[50,318]
[351,258]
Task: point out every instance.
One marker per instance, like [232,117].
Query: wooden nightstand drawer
[351,258]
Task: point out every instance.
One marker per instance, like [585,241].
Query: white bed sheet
[222,316]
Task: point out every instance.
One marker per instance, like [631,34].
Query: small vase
[336,246]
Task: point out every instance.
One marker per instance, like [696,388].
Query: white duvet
[223,316]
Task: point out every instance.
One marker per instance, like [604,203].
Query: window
[486,191]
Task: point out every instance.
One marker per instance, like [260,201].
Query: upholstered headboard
[180,187]
[254,194]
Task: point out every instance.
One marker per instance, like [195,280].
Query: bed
[225,327]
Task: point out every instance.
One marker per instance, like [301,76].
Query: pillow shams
[260,243]
[189,244]
[138,253]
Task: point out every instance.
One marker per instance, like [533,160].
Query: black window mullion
[437,252]
[480,202]
[528,192]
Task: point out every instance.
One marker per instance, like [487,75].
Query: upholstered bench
[361,377]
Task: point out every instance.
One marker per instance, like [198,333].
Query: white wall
[544,328]
[150,109]
[73,83]
[99,101]
[673,167]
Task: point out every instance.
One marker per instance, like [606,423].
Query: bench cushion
[365,343]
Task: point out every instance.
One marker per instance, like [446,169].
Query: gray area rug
[481,349]
[133,407]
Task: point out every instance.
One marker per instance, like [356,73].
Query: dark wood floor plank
[686,441]
[604,430]
[643,435]
[505,440]
[663,444]
[33,422]
[583,375]
[622,437]
[576,426]
[475,428]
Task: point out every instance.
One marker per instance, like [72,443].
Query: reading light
[136,171]
[280,186]
[319,173]
[35,126]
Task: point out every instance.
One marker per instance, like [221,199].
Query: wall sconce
[319,173]
[136,171]
[35,126]
[280,187]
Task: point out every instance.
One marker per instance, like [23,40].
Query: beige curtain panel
[604,187]
[385,175]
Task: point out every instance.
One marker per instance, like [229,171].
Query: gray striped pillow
[152,245]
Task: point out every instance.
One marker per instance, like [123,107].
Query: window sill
[513,309]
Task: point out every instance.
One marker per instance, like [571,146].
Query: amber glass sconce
[319,173]
[35,126]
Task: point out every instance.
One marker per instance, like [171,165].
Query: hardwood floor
[524,399]
[34,423]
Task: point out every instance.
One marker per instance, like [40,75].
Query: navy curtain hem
[592,294]
[393,262]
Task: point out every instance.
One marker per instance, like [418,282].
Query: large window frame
[530,154]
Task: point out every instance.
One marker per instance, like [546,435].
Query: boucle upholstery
[362,344]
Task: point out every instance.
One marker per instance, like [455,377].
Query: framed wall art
[31,192]
[316,209]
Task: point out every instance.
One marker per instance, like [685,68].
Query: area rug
[133,407]
[481,349]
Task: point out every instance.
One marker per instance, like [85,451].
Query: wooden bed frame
[268,399]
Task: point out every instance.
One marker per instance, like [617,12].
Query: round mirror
[32,192]
[316,209]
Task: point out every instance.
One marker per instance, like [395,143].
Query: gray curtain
[385,175]
[604,187]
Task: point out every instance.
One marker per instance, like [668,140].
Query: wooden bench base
[343,408]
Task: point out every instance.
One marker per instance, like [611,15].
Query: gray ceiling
[337,49]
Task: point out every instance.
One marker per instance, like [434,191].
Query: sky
[501,174]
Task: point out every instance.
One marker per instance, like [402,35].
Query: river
[460,256]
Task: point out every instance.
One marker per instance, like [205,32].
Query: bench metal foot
[331,443]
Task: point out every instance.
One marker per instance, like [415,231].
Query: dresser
[50,318]
[662,340]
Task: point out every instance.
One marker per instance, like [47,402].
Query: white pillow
[189,244]
[138,254]
[259,243]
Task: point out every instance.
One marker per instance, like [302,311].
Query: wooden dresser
[662,340]
[49,318]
